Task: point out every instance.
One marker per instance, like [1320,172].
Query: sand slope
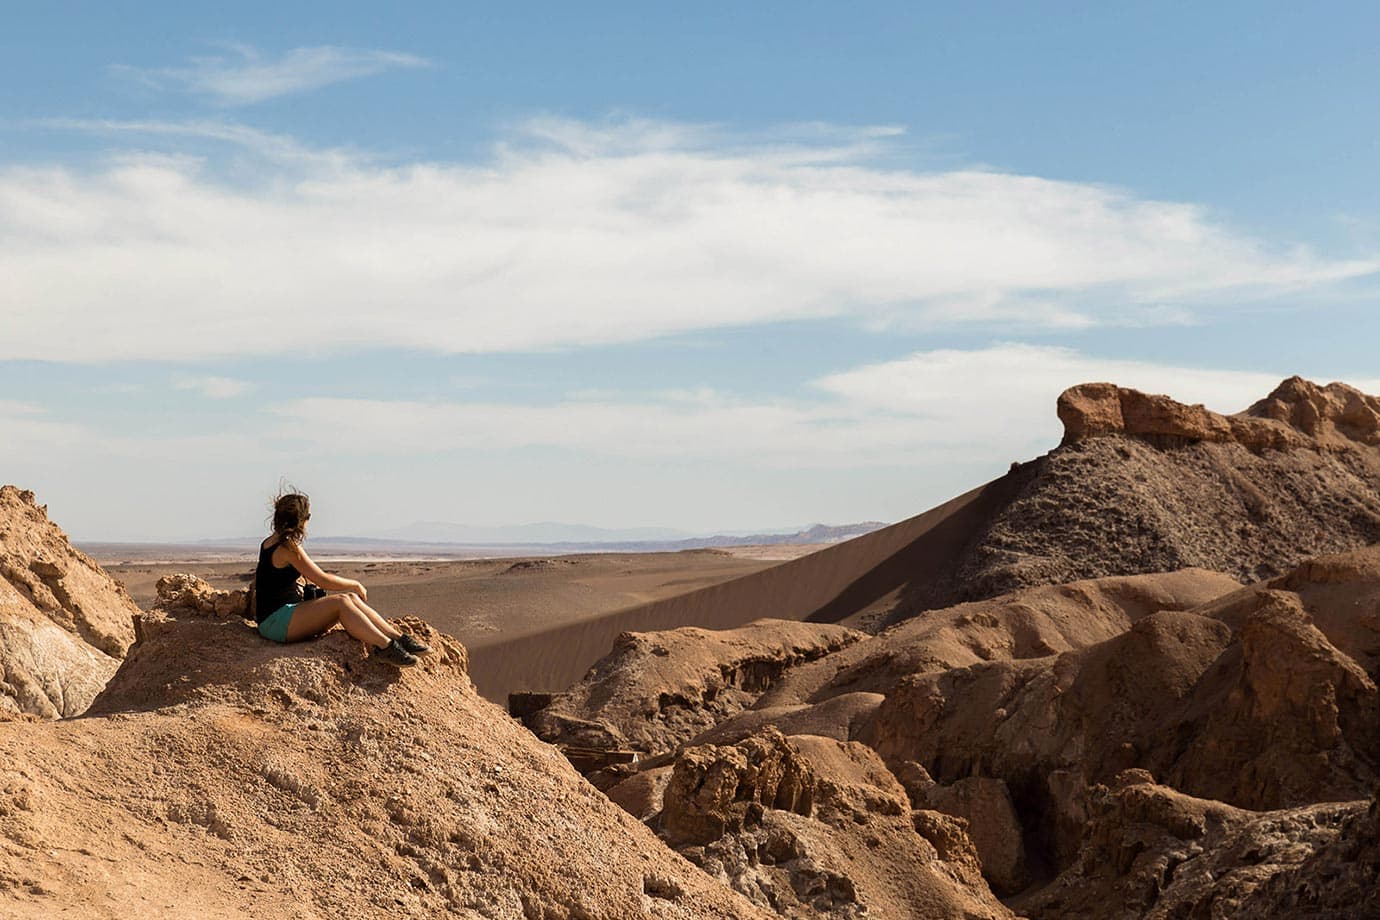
[838,584]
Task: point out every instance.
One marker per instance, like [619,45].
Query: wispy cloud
[286,151]
[982,406]
[582,235]
[214,387]
[246,75]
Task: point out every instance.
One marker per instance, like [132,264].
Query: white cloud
[584,236]
[247,76]
[213,387]
[983,406]
[10,408]
[37,435]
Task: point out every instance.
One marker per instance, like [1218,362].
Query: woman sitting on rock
[283,613]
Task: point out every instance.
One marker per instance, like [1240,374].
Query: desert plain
[484,602]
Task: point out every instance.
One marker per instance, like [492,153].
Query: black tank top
[274,587]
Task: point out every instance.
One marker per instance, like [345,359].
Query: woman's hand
[358,588]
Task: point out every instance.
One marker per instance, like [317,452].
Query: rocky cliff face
[1146,484]
[1247,700]
[64,623]
[812,827]
[1151,851]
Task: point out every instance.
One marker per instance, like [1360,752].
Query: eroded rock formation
[188,594]
[1120,500]
[813,827]
[1298,414]
[64,623]
[1245,701]
[656,690]
[1152,851]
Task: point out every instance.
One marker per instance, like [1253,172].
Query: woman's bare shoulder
[288,550]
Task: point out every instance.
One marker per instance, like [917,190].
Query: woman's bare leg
[383,626]
[311,618]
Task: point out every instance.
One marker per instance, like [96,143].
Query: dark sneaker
[394,653]
[413,644]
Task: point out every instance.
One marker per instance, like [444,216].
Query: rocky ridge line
[1298,414]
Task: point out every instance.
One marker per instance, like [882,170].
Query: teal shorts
[275,625]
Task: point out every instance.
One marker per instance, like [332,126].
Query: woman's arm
[318,576]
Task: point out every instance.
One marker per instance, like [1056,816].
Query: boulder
[188,594]
[64,623]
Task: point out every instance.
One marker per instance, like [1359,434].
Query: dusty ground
[481,601]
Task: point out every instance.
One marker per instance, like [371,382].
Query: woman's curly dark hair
[291,511]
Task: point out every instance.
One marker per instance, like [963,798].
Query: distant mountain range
[459,540]
[550,536]
[543,532]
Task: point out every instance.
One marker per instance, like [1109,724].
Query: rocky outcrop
[1340,878]
[656,690]
[64,623]
[1298,414]
[1142,483]
[813,827]
[1257,709]
[1154,852]
[1120,505]
[188,594]
[221,775]
[716,790]
[995,828]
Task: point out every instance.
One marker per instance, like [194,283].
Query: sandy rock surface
[64,623]
[220,775]
[656,690]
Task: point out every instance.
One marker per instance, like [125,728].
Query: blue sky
[711,267]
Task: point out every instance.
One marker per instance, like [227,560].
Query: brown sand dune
[840,583]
